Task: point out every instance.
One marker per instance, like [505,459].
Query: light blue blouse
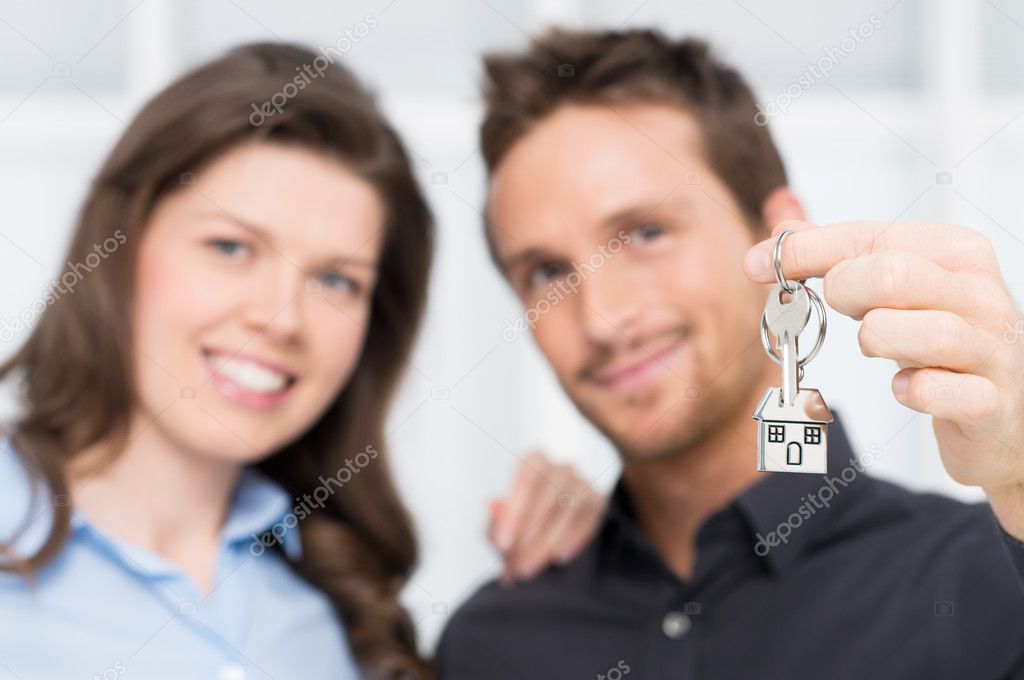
[106,609]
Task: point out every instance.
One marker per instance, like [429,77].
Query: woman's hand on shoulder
[548,516]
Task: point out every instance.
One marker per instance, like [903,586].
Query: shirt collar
[259,506]
[784,512]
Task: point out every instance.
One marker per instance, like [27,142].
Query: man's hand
[549,515]
[932,297]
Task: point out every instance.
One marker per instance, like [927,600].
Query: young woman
[197,484]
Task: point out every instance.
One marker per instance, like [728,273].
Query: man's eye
[544,274]
[227,246]
[647,232]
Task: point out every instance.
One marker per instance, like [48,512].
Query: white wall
[935,88]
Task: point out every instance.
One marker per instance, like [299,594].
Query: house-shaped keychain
[792,438]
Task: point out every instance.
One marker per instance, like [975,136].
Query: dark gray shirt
[837,576]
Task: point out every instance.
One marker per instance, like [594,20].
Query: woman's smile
[248,381]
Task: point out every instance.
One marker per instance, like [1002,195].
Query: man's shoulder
[499,605]
[930,543]
[499,623]
[888,509]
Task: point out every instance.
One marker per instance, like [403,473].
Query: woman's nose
[275,303]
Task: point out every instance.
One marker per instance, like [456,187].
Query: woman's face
[252,299]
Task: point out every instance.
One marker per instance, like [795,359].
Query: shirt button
[675,625]
[231,671]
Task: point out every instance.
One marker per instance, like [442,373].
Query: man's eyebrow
[525,255]
[267,238]
[635,215]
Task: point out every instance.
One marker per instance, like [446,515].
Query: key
[792,420]
[786,320]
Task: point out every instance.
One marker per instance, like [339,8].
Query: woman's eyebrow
[268,238]
[222,215]
[351,261]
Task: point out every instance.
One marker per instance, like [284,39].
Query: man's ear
[781,204]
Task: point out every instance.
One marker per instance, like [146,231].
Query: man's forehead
[589,154]
[583,165]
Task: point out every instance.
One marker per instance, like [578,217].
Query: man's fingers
[811,252]
[902,280]
[932,338]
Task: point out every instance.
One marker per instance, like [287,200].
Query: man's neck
[672,497]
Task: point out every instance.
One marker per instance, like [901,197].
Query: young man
[647,151]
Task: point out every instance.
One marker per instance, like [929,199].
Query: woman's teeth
[247,375]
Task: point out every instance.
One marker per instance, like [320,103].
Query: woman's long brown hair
[74,371]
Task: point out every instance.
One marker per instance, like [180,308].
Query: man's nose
[275,302]
[610,307]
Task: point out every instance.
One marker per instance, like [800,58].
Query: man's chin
[651,435]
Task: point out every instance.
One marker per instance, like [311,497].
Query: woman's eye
[544,274]
[338,281]
[227,247]
[647,232]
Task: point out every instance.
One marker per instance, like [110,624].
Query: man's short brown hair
[632,67]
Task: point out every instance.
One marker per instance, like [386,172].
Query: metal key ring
[766,342]
[777,262]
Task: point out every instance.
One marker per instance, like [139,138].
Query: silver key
[786,320]
[792,420]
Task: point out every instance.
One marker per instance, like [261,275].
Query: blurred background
[918,117]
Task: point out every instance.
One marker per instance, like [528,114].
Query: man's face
[626,251]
